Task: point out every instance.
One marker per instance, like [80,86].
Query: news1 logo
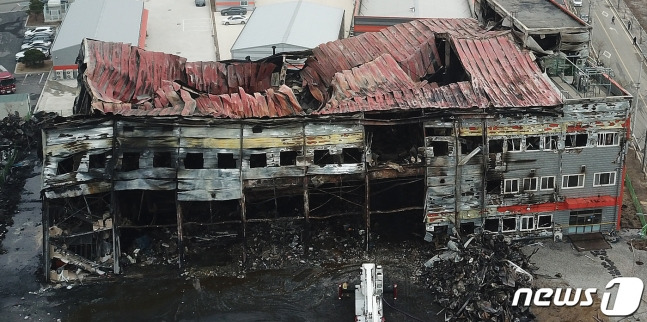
[627,300]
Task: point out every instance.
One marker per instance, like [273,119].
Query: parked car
[39,34]
[577,3]
[36,38]
[234,20]
[200,3]
[45,30]
[233,11]
[21,54]
[36,43]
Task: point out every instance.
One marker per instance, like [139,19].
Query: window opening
[529,184]
[527,223]
[351,155]
[509,224]
[576,140]
[162,160]
[608,139]
[573,181]
[604,179]
[511,186]
[550,142]
[440,148]
[544,221]
[513,145]
[226,161]
[495,146]
[547,183]
[97,161]
[491,224]
[258,160]
[323,157]
[194,161]
[288,158]
[532,143]
[130,161]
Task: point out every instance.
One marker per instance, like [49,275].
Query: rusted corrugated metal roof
[172,99]
[499,73]
[370,72]
[127,80]
[412,44]
[383,85]
[507,75]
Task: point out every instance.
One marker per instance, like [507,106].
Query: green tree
[35,7]
[34,57]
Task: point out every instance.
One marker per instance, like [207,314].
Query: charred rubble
[476,280]
[19,138]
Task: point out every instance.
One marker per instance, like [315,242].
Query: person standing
[613,20]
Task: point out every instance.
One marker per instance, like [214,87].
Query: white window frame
[541,183]
[603,136]
[505,186]
[580,182]
[547,147]
[525,219]
[530,179]
[551,221]
[244,3]
[612,179]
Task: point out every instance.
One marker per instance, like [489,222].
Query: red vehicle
[7,81]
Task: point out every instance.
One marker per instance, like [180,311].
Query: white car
[40,30]
[233,20]
[36,43]
[20,55]
[577,3]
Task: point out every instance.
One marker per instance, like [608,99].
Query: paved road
[12,27]
[13,5]
[616,50]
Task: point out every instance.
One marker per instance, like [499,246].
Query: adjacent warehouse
[288,27]
[106,20]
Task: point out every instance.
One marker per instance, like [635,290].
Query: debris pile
[18,138]
[476,280]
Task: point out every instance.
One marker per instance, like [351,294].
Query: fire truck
[7,81]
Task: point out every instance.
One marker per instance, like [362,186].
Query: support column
[45,220]
[116,244]
[367,210]
[180,234]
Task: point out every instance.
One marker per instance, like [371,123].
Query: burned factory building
[437,126]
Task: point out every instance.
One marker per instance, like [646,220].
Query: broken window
[491,225]
[509,224]
[513,145]
[608,139]
[288,158]
[576,140]
[469,143]
[547,183]
[68,164]
[162,160]
[322,157]
[129,128]
[550,142]
[194,161]
[258,160]
[527,223]
[529,184]
[532,143]
[494,186]
[351,155]
[226,161]
[440,148]
[573,181]
[544,221]
[604,179]
[495,146]
[97,161]
[438,131]
[130,161]
[467,228]
[167,128]
[511,186]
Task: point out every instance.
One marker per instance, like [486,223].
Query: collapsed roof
[423,64]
